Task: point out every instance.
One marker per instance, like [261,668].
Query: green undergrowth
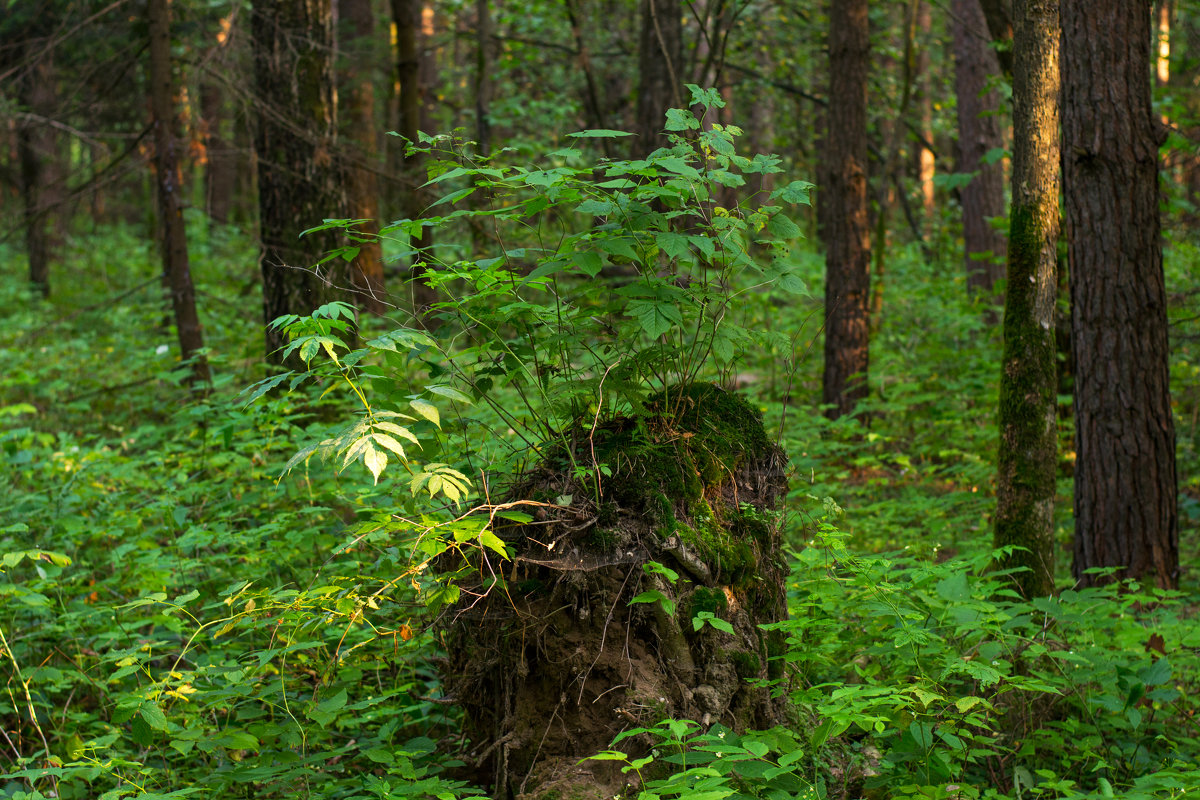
[178,621]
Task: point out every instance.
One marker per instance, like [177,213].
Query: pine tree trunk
[660,79]
[985,248]
[170,201]
[35,150]
[1028,380]
[847,237]
[298,185]
[358,83]
[1125,486]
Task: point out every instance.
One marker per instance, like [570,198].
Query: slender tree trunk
[923,161]
[220,155]
[1028,380]
[298,184]
[985,248]
[1125,486]
[483,83]
[847,251]
[35,149]
[170,200]
[660,77]
[220,164]
[358,82]
[407,15]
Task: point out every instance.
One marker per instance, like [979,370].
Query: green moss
[706,599]
[747,665]
[692,438]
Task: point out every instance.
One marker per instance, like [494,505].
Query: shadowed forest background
[583,399]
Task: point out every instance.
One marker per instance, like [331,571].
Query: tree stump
[552,662]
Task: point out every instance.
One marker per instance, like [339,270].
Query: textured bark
[1125,486]
[358,82]
[660,79]
[847,232]
[1028,380]
[298,185]
[985,249]
[170,202]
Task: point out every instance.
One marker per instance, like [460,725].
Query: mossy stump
[552,663]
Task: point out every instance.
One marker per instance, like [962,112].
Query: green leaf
[679,119]
[375,460]
[493,542]
[655,596]
[153,715]
[427,410]
[655,318]
[598,133]
[380,755]
[448,392]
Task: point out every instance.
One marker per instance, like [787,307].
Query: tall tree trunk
[847,248]
[358,82]
[170,201]
[923,161]
[1125,488]
[298,185]
[483,83]
[220,159]
[35,150]
[660,79]
[407,15]
[985,249]
[1028,380]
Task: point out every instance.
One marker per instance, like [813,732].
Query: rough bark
[985,249]
[170,201]
[298,185]
[362,184]
[660,79]
[847,237]
[1125,485]
[1028,380]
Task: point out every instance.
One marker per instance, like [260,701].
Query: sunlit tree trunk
[1028,379]
[483,82]
[298,184]
[362,184]
[923,160]
[985,248]
[170,201]
[847,236]
[1125,485]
